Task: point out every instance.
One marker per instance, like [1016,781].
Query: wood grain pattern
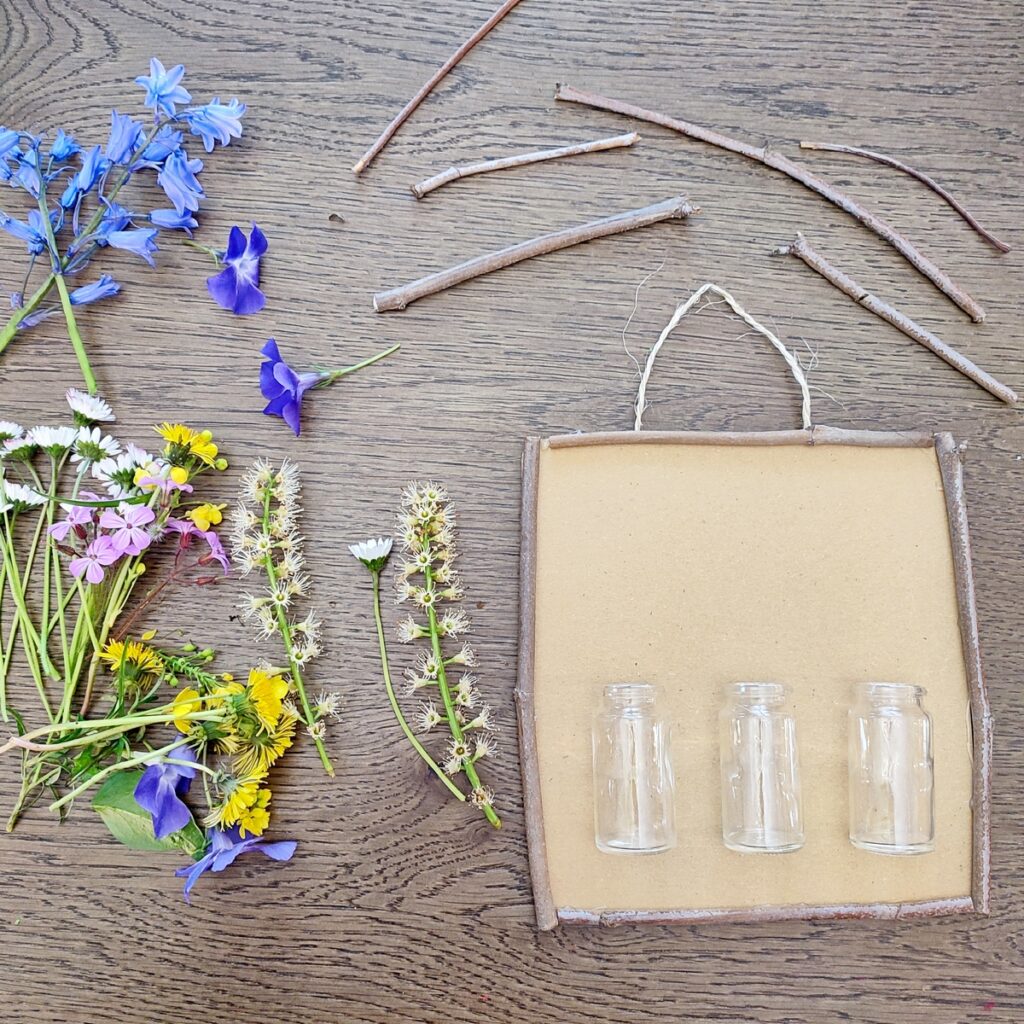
[395,887]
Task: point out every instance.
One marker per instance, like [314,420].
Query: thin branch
[778,162]
[399,298]
[891,161]
[367,158]
[420,189]
[899,320]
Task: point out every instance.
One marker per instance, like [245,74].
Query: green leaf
[131,824]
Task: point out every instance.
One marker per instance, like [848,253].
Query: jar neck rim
[886,691]
[631,694]
[756,692]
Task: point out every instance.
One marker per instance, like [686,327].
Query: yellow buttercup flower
[132,659]
[260,752]
[255,818]
[154,471]
[183,441]
[267,693]
[207,515]
[186,700]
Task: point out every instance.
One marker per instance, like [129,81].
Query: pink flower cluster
[98,539]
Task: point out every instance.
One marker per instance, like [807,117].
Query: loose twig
[399,298]
[420,189]
[890,161]
[367,158]
[899,320]
[826,189]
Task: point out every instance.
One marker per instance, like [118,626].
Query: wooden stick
[399,298]
[420,189]
[424,91]
[891,161]
[781,163]
[900,321]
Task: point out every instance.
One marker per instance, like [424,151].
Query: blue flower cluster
[78,191]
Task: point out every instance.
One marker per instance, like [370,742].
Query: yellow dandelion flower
[255,818]
[132,658]
[267,692]
[264,749]
[237,796]
[205,516]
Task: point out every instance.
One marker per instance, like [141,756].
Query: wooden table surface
[401,906]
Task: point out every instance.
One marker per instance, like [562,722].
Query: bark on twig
[890,161]
[900,321]
[420,189]
[769,158]
[424,91]
[399,298]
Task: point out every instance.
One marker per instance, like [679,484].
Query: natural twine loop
[681,311]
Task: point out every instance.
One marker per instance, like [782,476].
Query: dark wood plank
[400,906]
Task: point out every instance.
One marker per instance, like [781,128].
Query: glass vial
[761,808]
[891,770]
[634,789]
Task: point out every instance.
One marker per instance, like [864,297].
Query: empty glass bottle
[634,789]
[891,769]
[761,807]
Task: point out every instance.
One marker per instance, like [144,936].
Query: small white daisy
[18,449]
[372,553]
[9,430]
[54,441]
[18,497]
[88,409]
[92,445]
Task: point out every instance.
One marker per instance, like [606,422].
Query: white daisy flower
[88,409]
[19,449]
[372,553]
[117,473]
[92,445]
[16,496]
[54,441]
[9,429]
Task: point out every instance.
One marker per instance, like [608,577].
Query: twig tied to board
[421,188]
[791,360]
[901,321]
[768,157]
[399,298]
[891,161]
[424,91]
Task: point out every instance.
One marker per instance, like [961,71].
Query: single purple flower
[169,220]
[162,89]
[224,848]
[284,388]
[64,147]
[216,122]
[177,177]
[125,135]
[99,554]
[129,536]
[140,241]
[187,529]
[77,515]
[106,287]
[161,788]
[236,287]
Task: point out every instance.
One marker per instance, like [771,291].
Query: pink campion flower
[77,516]
[129,536]
[187,529]
[99,554]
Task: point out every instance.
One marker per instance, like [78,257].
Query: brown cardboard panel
[695,564]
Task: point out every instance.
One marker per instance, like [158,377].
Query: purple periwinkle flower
[161,788]
[169,220]
[98,555]
[64,147]
[163,92]
[283,387]
[225,846]
[216,122]
[106,287]
[236,287]
[141,241]
[125,135]
[130,536]
[177,177]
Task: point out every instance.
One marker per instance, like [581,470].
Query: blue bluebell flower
[170,220]
[33,234]
[162,89]
[225,847]
[125,135]
[94,165]
[115,218]
[64,147]
[160,147]
[236,287]
[178,179]
[161,788]
[27,173]
[9,140]
[216,122]
[141,241]
[106,287]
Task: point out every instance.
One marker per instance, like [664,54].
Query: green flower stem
[334,375]
[410,736]
[286,635]
[76,338]
[118,766]
[446,698]
[10,329]
[199,247]
[121,590]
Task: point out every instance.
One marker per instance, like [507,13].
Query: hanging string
[681,311]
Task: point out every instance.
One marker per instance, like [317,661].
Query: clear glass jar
[761,806]
[634,788]
[891,769]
